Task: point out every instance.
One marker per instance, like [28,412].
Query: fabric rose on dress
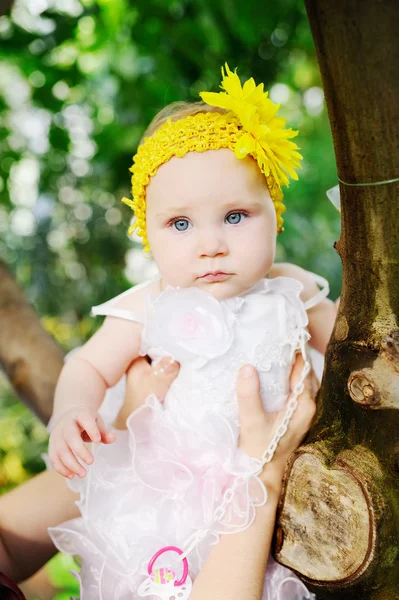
[188,324]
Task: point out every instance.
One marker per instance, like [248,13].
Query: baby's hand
[78,425]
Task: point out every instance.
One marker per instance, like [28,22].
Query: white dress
[164,478]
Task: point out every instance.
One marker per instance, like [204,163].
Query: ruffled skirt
[155,486]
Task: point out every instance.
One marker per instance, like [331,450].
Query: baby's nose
[212,243]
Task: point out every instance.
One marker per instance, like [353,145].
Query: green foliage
[59,569]
[78,85]
[22,441]
[79,82]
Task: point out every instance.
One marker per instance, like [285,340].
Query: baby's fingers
[55,460]
[80,450]
[68,460]
[89,425]
[60,467]
[107,437]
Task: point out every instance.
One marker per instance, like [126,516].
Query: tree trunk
[29,356]
[5,6]
[338,524]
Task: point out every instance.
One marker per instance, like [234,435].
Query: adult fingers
[296,373]
[137,388]
[311,383]
[254,425]
[306,408]
[142,379]
[163,373]
[250,406]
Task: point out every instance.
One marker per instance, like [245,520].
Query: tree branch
[29,356]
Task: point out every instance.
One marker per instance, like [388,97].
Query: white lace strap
[321,295]
[109,311]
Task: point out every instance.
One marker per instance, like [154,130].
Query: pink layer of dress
[163,479]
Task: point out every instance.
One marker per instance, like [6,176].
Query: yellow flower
[250,126]
[265,137]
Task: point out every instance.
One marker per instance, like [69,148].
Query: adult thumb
[250,405]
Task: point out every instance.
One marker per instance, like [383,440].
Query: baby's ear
[164,372]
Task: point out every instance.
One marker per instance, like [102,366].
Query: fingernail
[171,366]
[247,371]
[166,365]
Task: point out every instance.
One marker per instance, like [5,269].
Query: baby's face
[211,212]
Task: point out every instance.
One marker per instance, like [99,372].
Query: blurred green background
[79,82]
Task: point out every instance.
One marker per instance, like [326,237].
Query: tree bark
[338,523]
[5,6]
[29,356]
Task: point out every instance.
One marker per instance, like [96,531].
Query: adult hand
[257,426]
[143,379]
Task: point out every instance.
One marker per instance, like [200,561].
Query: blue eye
[180,224]
[235,217]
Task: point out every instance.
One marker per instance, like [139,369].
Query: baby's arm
[25,544]
[81,387]
[322,316]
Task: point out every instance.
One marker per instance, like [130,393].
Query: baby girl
[208,205]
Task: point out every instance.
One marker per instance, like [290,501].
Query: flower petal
[231,83]
[249,87]
[220,100]
[245,145]
[266,137]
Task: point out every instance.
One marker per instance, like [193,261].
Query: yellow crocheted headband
[249,127]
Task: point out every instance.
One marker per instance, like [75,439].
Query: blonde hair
[176,111]
[242,118]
